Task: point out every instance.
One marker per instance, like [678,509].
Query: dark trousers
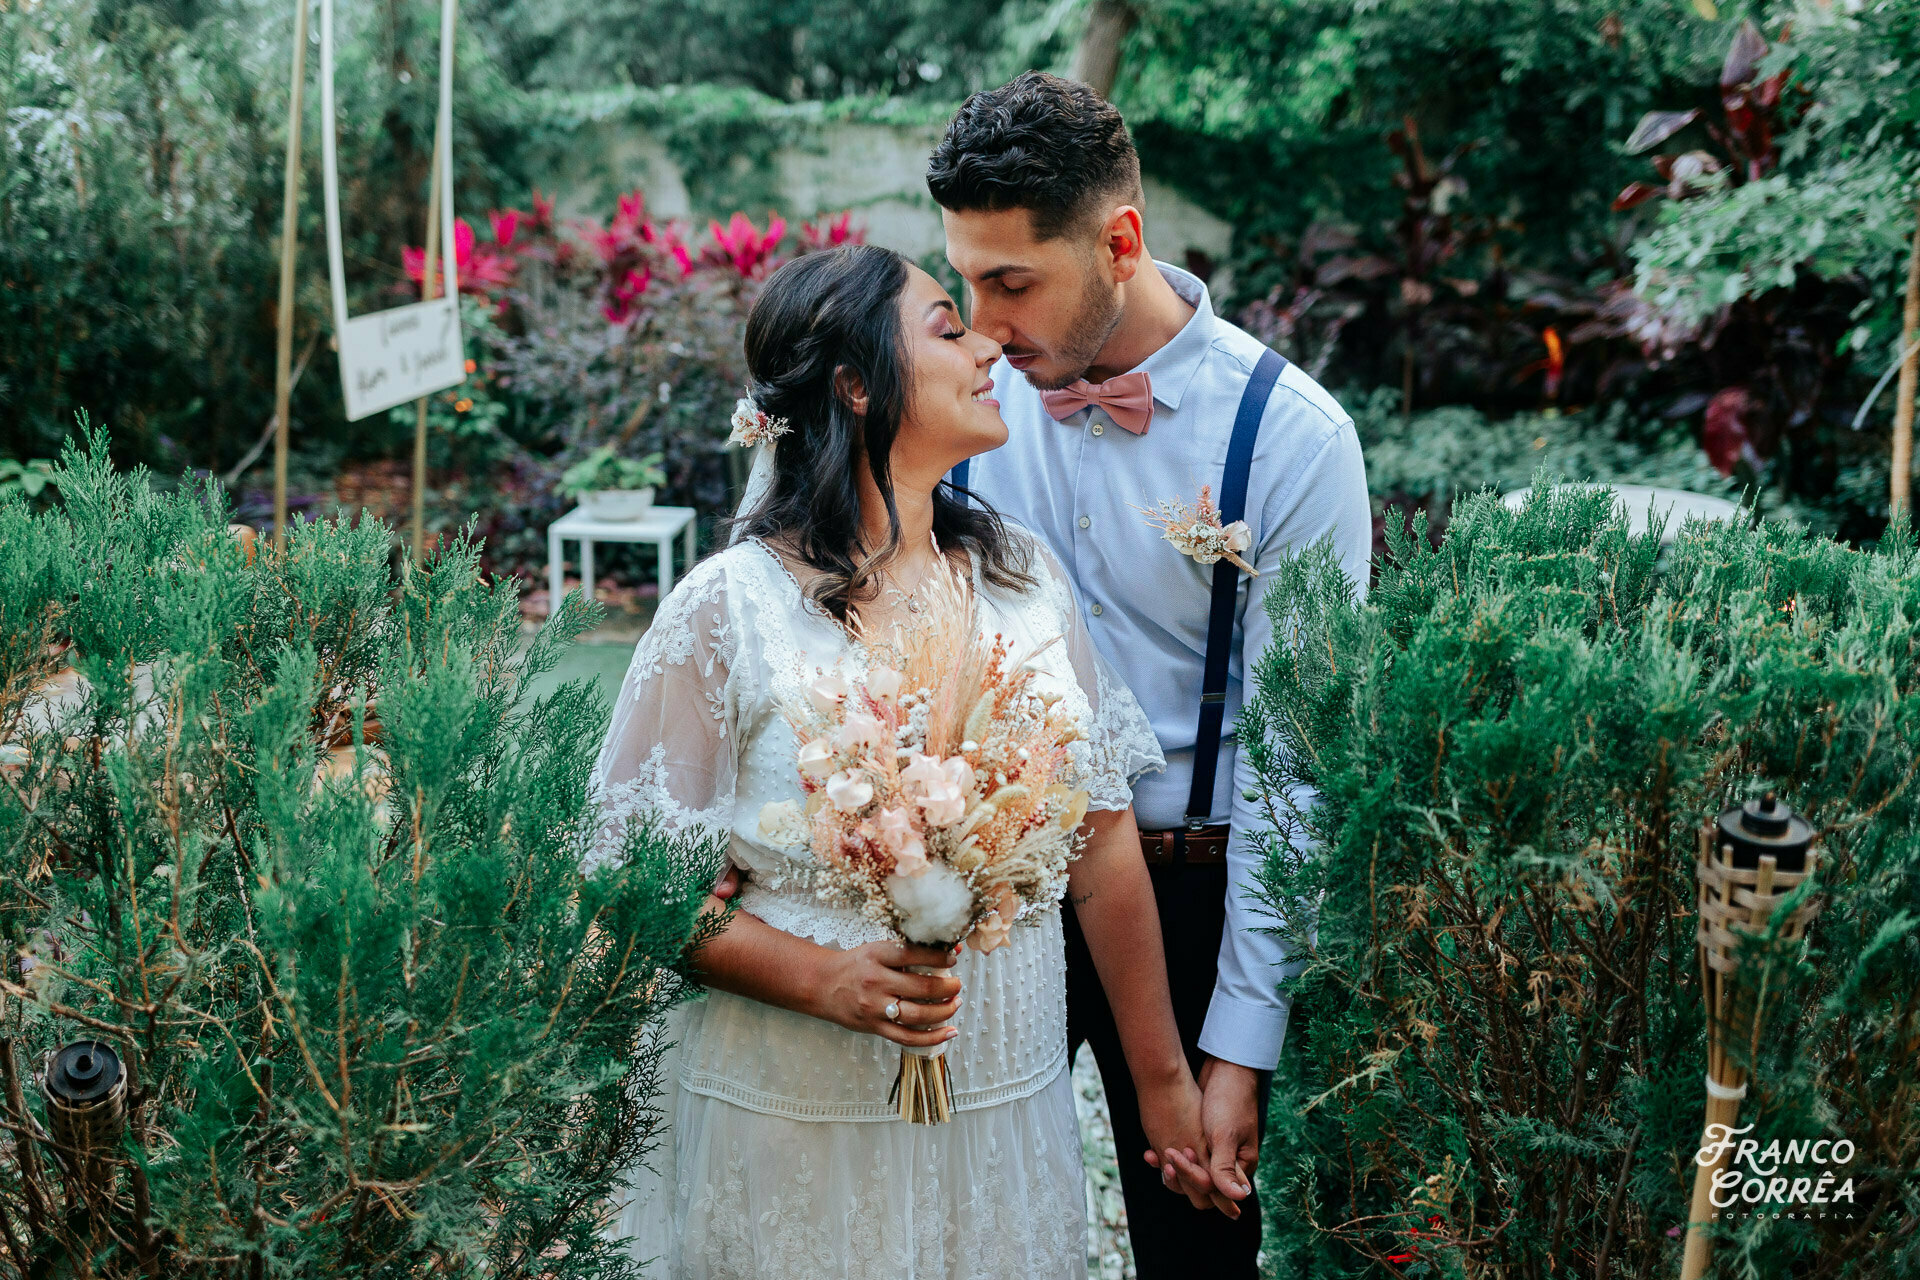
[1170,1237]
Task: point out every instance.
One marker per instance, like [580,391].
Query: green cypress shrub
[374,1019]
[1496,1062]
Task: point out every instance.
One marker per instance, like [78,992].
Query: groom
[1132,391]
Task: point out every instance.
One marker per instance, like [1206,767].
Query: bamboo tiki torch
[1750,860]
[86,1094]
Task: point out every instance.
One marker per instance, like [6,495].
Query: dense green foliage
[1457,200]
[1495,1066]
[1427,461]
[797,49]
[1841,204]
[1286,105]
[140,203]
[302,851]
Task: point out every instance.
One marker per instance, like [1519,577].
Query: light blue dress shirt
[1078,484]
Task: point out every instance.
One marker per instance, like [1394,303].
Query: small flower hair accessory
[752,424]
[1196,530]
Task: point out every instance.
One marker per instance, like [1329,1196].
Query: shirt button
[1096,610]
[1085,521]
[1099,428]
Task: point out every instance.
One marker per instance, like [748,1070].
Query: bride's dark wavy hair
[819,314]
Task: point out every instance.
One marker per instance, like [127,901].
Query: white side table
[1641,502]
[659,526]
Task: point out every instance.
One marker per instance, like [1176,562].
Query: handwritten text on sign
[391,357]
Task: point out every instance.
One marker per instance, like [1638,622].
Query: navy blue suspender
[1226,584]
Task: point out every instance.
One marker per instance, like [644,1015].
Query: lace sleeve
[1120,739]
[669,751]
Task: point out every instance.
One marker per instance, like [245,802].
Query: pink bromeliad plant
[632,250]
[829,233]
[624,258]
[483,269]
[740,245]
[621,330]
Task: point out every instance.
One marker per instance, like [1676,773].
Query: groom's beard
[1098,317]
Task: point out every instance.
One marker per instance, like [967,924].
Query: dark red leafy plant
[1752,115]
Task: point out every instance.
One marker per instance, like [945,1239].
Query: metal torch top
[83,1073]
[1765,826]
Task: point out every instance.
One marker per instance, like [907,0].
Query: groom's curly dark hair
[1050,146]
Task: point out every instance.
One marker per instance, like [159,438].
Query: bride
[785,1156]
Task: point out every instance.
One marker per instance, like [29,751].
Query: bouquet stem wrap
[924,1086]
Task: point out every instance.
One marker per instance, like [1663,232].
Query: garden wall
[704,153]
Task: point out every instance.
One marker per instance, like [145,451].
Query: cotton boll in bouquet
[941,793]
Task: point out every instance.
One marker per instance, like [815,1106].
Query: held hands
[1230,1117]
[1173,1116]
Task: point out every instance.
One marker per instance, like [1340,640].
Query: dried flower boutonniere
[752,424]
[1196,530]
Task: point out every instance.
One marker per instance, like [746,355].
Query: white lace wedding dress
[785,1158]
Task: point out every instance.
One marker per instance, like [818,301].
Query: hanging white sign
[393,356]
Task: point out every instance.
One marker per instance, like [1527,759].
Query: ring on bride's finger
[893,1011]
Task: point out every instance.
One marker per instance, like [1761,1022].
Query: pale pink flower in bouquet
[883,683]
[893,830]
[992,932]
[862,730]
[940,786]
[817,759]
[942,796]
[849,791]
[783,824]
[827,693]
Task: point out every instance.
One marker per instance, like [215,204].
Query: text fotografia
[1755,1179]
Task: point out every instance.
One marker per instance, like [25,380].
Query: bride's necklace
[907,597]
[910,599]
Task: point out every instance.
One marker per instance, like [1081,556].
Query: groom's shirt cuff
[1243,1032]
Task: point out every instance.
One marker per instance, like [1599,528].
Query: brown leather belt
[1207,846]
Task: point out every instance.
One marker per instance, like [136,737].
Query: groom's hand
[1230,1112]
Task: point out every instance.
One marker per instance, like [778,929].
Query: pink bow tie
[1127,399]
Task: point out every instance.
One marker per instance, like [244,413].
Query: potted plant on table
[610,487]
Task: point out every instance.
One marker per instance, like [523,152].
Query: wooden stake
[32,1189]
[1909,377]
[289,239]
[426,295]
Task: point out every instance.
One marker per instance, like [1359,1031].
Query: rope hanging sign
[400,354]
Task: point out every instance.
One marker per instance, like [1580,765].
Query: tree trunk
[1909,376]
[1096,59]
